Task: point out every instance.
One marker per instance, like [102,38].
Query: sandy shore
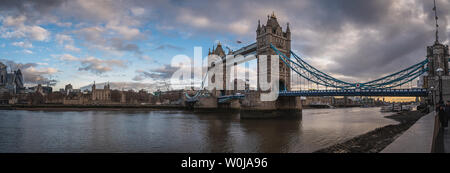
[376,140]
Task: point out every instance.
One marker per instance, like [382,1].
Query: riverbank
[128,107]
[376,140]
[48,107]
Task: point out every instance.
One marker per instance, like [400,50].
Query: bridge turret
[219,51]
[438,57]
[258,30]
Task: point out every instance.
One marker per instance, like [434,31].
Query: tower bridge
[296,75]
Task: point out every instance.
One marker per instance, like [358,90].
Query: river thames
[181,131]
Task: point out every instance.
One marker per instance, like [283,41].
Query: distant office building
[10,82]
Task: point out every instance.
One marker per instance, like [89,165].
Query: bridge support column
[206,103]
[234,104]
[283,107]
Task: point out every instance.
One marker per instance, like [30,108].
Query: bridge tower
[252,106]
[438,57]
[272,33]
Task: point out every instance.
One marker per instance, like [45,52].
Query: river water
[180,131]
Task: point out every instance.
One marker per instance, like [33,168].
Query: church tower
[272,33]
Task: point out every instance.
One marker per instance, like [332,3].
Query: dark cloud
[22,5]
[358,39]
[335,13]
[122,46]
[169,47]
[161,73]
[100,66]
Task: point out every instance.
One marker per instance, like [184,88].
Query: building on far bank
[10,82]
[101,94]
[44,90]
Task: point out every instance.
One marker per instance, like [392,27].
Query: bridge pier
[206,103]
[232,104]
[284,107]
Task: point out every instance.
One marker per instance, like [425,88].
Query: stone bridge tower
[438,57]
[252,106]
[272,33]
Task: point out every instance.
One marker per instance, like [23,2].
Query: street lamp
[440,72]
[432,97]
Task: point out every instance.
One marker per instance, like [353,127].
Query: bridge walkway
[419,138]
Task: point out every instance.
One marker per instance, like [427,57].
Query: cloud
[71,48]
[68,57]
[14,21]
[15,27]
[22,44]
[187,17]
[138,11]
[352,38]
[27,51]
[99,66]
[93,64]
[124,31]
[67,41]
[161,73]
[169,47]
[61,38]
[97,40]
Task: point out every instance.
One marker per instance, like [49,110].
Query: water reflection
[180,131]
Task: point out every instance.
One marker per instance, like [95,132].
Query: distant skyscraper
[10,82]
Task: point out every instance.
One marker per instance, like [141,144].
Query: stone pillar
[438,57]
[206,103]
[284,107]
[272,33]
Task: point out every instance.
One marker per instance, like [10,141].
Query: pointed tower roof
[272,21]
[219,50]
[259,26]
[287,28]
[437,25]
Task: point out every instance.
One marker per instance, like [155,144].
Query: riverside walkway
[447,140]
[418,138]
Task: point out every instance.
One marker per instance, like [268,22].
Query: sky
[132,42]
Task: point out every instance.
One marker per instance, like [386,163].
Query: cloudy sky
[133,41]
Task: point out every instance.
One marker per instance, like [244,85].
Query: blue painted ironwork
[379,87]
[358,92]
[223,99]
[310,73]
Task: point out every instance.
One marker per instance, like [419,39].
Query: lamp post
[440,72]
[432,97]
